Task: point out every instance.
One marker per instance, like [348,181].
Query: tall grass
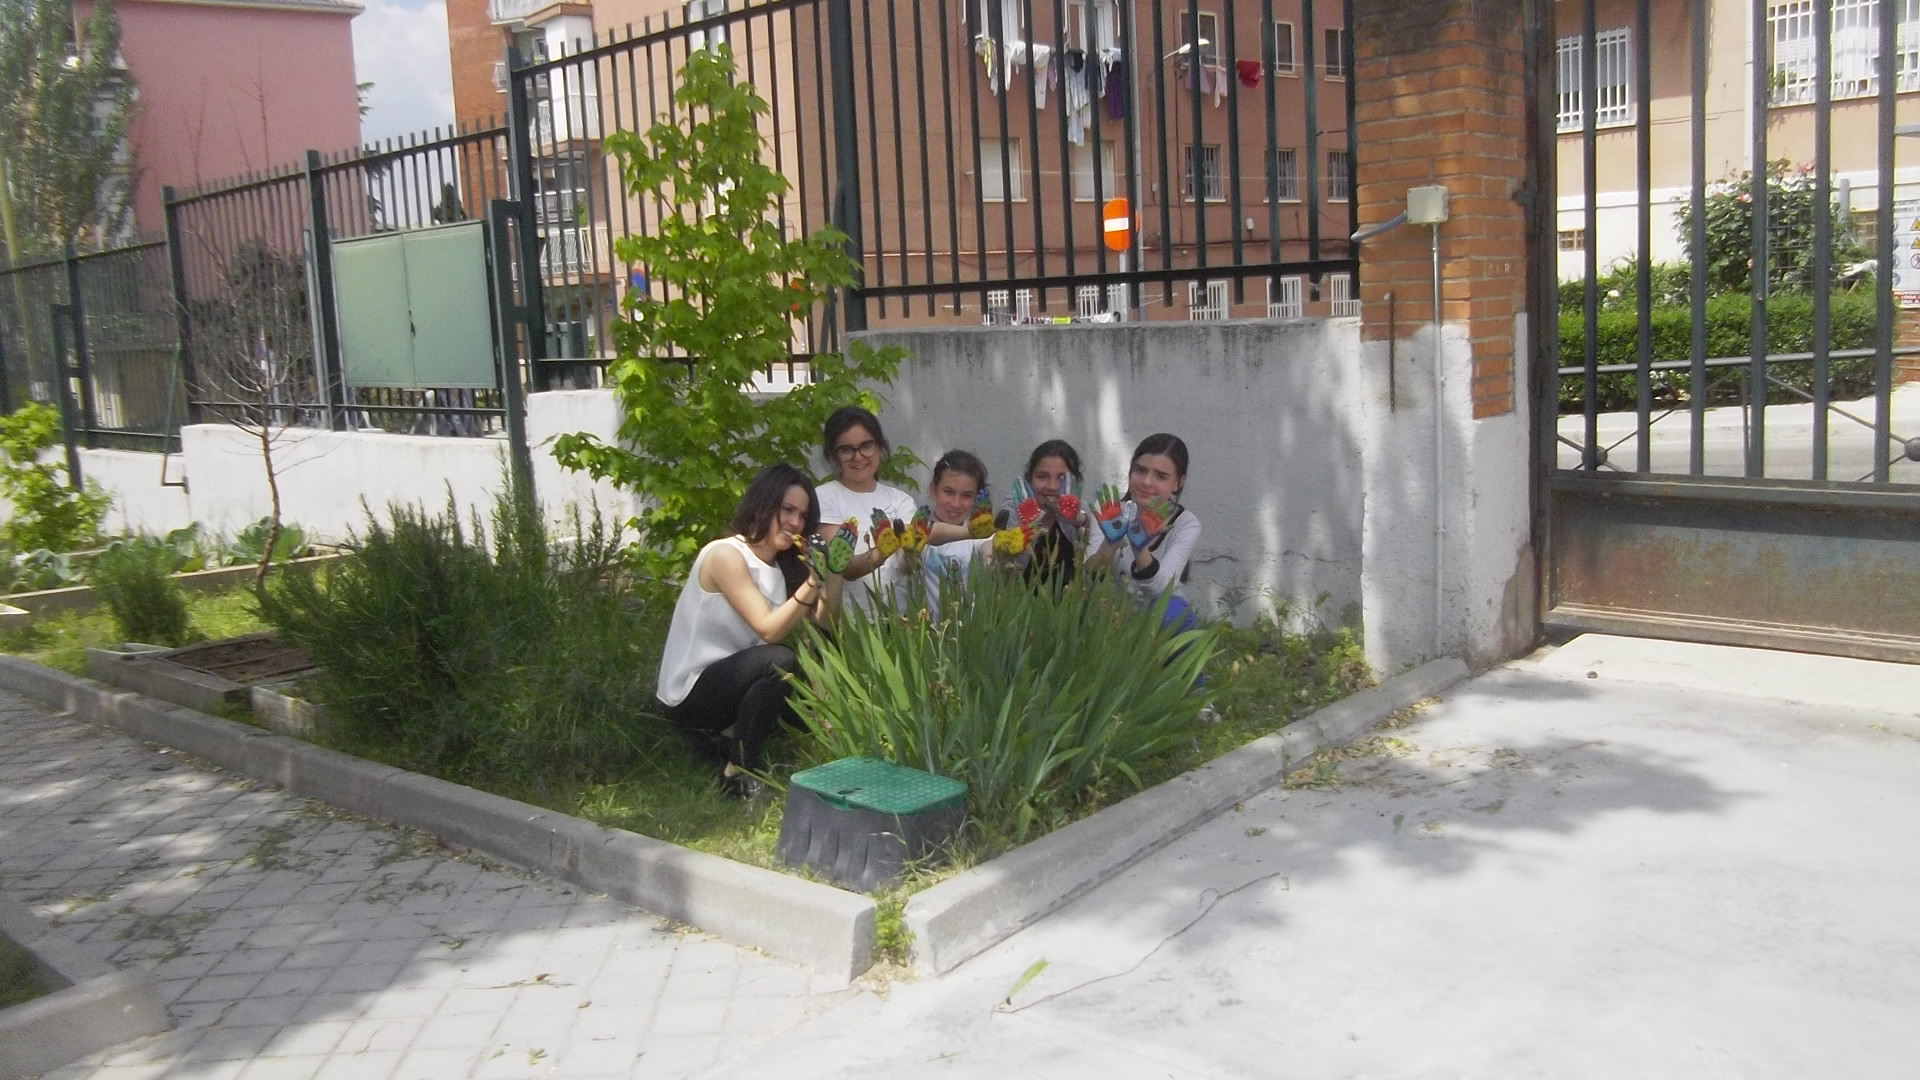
[483,653]
[1043,701]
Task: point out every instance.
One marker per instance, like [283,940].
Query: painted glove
[913,537]
[1108,514]
[1150,522]
[1011,537]
[886,540]
[829,557]
[1026,505]
[1068,503]
[980,523]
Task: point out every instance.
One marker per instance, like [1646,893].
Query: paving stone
[358,947]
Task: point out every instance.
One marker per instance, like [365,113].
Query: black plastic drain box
[858,821]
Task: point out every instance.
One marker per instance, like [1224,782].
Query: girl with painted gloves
[855,447]
[960,529]
[1146,534]
[723,674]
[1047,501]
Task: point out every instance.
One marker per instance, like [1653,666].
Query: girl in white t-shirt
[855,446]
[724,671]
[959,478]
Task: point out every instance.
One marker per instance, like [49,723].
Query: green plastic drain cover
[868,784]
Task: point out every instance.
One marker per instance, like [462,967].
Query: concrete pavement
[1789,439]
[293,941]
[1649,872]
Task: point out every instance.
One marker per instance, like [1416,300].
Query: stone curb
[964,915]
[90,1008]
[82,597]
[824,928]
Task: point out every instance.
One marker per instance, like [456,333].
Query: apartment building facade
[992,138]
[1786,41]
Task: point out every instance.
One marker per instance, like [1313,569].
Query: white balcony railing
[512,11]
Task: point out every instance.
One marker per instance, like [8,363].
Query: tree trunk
[273,516]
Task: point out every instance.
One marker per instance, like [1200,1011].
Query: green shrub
[1729,319]
[134,580]
[45,512]
[481,655]
[1041,702]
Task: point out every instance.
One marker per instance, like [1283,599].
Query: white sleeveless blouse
[705,627]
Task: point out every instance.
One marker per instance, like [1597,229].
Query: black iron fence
[1741,320]
[970,150]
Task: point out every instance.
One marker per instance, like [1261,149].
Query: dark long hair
[959,461]
[1059,448]
[844,419]
[754,517]
[1169,445]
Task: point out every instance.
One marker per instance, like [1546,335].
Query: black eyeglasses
[848,450]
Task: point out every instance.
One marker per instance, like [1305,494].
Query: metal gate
[1729,435]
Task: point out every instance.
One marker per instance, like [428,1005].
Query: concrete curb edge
[821,927]
[89,1007]
[964,915]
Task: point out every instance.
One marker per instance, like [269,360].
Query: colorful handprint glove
[913,538]
[1069,501]
[1108,513]
[1150,522]
[1026,505]
[886,539]
[1013,541]
[828,557]
[980,522]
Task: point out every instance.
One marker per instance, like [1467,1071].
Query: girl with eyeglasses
[855,446]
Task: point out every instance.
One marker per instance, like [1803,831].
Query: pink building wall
[229,88]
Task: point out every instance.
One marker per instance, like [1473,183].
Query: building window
[1083,186]
[999,307]
[1209,43]
[1613,72]
[1285,180]
[1117,300]
[1573,239]
[1283,58]
[1208,303]
[1340,290]
[1103,34]
[1338,60]
[1000,176]
[1855,48]
[1086,301]
[1339,176]
[1201,170]
[1022,305]
[1285,301]
[709,37]
[1012,16]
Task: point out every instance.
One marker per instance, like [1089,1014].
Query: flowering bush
[1790,249]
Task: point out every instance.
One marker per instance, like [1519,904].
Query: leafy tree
[63,157]
[45,513]
[1790,209]
[695,431]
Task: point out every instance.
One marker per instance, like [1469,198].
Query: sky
[401,47]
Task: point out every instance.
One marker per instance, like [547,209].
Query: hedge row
[1729,333]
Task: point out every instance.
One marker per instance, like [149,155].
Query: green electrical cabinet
[414,308]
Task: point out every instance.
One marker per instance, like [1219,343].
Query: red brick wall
[1440,100]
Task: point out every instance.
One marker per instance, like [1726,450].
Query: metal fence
[1736,320]
[968,151]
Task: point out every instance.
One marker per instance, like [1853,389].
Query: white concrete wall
[218,480]
[1264,407]
[1311,479]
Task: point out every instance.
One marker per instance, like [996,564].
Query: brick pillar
[1440,99]
[1906,331]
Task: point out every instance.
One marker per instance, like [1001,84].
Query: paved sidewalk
[1692,862]
[293,941]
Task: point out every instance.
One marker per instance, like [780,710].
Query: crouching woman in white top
[723,675]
